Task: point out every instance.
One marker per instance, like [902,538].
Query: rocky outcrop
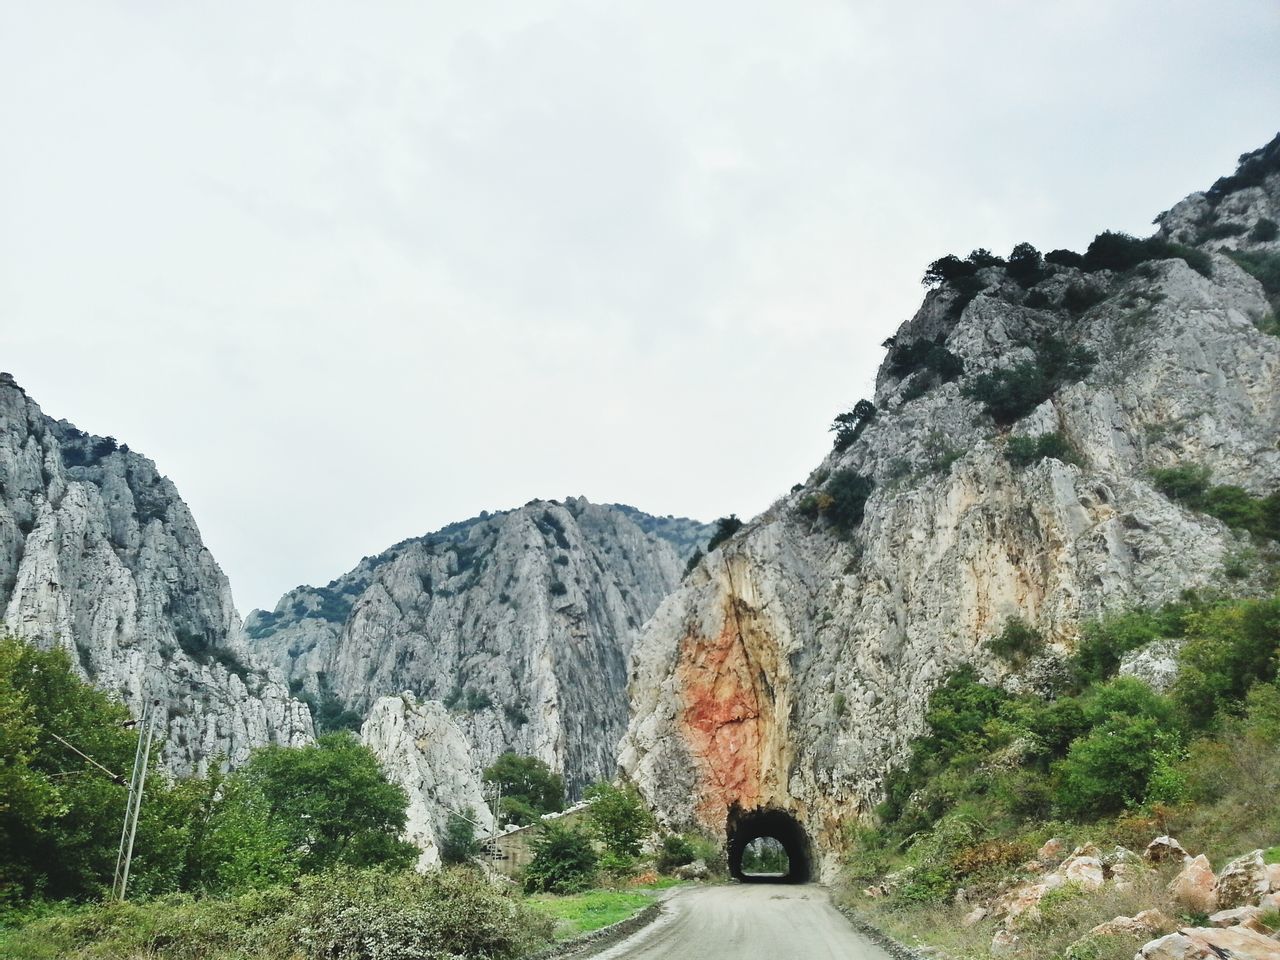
[100,556]
[423,751]
[792,667]
[520,622]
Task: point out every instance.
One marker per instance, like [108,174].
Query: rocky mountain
[1050,439]
[518,622]
[100,556]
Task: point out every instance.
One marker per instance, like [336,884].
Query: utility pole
[141,756]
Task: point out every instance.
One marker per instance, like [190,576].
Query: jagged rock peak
[100,556]
[520,622]
[1004,471]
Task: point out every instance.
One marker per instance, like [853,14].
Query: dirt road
[754,921]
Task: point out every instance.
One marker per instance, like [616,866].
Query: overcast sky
[350,271]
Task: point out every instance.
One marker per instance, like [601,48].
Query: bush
[1251,171]
[459,843]
[1017,642]
[558,589]
[407,916]
[1011,393]
[1025,265]
[1264,231]
[676,851]
[726,527]
[848,426]
[1023,451]
[563,861]
[1111,250]
[847,493]
[1108,768]
[1232,647]
[929,355]
[695,558]
[1233,505]
[1104,642]
[1079,297]
[1263,267]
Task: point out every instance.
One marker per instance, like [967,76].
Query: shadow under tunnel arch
[743,826]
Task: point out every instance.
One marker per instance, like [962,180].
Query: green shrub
[1251,171]
[1186,482]
[1232,647]
[847,493]
[1023,451]
[1079,297]
[459,843]
[676,851]
[1264,231]
[558,589]
[1263,267]
[1108,769]
[1104,642]
[408,916]
[563,860]
[726,527]
[928,355]
[695,558]
[1011,393]
[848,426]
[1025,265]
[1111,250]
[1017,642]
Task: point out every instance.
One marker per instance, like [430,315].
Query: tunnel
[746,825]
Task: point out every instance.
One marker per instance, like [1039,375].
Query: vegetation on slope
[1103,758]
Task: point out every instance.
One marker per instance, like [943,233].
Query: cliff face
[421,749]
[99,555]
[519,622]
[792,667]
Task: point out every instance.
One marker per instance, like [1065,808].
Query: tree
[529,787]
[459,843]
[60,815]
[563,860]
[848,426]
[618,818]
[331,802]
[726,527]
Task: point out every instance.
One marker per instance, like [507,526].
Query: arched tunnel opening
[762,864]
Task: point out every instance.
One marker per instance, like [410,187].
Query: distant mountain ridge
[518,621]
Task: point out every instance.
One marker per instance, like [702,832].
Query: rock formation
[519,622]
[100,556]
[422,750]
[792,667]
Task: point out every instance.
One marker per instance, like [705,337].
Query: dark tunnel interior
[746,825]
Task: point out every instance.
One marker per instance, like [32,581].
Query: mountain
[1051,439]
[519,622]
[100,556]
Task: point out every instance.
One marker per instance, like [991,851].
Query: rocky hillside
[519,622]
[1050,439]
[99,555]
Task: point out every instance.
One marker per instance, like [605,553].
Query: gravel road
[747,921]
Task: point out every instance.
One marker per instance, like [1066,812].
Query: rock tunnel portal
[746,825]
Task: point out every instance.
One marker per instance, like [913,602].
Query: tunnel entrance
[753,861]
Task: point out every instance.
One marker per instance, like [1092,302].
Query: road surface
[747,921]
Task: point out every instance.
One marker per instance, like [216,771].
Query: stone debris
[1210,943]
[1148,923]
[1196,887]
[1165,850]
[1243,881]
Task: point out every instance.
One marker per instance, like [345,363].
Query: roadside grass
[579,913]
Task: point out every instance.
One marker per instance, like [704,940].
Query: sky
[351,271]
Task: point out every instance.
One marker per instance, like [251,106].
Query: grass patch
[583,912]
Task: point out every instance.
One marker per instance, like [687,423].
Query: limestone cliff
[520,622]
[424,752]
[793,665]
[99,555]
